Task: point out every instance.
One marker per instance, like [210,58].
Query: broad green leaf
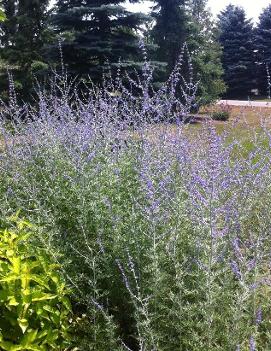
[8,346]
[26,296]
[3,295]
[48,308]
[40,281]
[13,301]
[29,298]
[33,265]
[29,337]
[10,253]
[66,302]
[10,278]
[23,323]
[16,262]
[51,336]
[55,317]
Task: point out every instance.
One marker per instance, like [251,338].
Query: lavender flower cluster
[164,236]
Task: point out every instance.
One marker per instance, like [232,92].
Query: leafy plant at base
[34,306]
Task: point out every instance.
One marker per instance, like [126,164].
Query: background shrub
[221,115]
[222,112]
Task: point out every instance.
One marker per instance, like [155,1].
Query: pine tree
[236,38]
[263,47]
[169,31]
[95,33]
[205,51]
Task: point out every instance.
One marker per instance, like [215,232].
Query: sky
[252,7]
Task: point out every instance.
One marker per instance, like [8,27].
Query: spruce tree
[188,21]
[169,31]
[205,51]
[263,47]
[95,33]
[23,34]
[236,38]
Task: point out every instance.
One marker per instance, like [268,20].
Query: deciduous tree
[205,51]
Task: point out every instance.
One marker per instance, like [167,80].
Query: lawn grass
[243,124]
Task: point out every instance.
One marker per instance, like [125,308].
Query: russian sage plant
[163,231]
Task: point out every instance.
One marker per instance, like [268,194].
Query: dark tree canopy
[23,35]
[188,21]
[236,38]
[169,32]
[205,51]
[23,31]
[98,34]
[95,32]
[263,47]
[263,35]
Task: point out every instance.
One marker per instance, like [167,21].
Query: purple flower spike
[252,344]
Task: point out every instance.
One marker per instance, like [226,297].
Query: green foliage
[169,31]
[263,46]
[99,37]
[24,34]
[179,22]
[221,116]
[205,52]
[236,38]
[34,303]
[108,36]
[2,15]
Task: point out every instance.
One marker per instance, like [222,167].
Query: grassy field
[240,116]
[244,122]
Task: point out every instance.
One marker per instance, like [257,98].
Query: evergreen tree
[22,37]
[205,51]
[95,33]
[169,31]
[263,47]
[198,11]
[188,21]
[236,38]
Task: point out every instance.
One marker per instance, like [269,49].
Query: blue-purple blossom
[252,344]
[258,317]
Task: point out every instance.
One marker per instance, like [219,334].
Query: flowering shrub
[34,306]
[163,235]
